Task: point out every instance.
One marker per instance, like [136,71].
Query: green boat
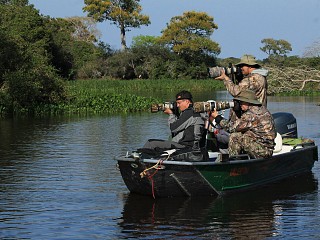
[166,176]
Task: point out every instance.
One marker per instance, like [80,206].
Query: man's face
[183,104]
[244,106]
[245,69]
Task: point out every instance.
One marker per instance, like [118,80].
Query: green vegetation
[198,26]
[108,96]
[276,48]
[42,60]
[27,78]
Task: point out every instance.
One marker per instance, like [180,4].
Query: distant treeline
[40,55]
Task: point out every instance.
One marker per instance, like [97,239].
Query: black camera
[197,106]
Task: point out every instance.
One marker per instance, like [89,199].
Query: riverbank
[112,96]
[123,96]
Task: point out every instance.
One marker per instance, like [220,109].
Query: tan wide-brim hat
[248,60]
[248,96]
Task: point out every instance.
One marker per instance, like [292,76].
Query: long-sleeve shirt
[257,121]
[187,129]
[254,81]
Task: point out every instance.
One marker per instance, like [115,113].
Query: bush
[92,70]
[26,73]
[156,62]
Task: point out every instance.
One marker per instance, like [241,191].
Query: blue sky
[242,24]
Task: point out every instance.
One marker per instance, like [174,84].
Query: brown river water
[59,180]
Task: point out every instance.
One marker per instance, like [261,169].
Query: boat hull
[176,179]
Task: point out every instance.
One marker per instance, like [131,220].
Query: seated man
[254,132]
[219,138]
[187,129]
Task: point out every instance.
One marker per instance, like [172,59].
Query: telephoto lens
[197,106]
[211,105]
[161,106]
[215,72]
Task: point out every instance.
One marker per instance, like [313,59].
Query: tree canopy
[84,29]
[144,40]
[276,48]
[15,2]
[36,51]
[190,33]
[125,14]
[26,76]
[313,50]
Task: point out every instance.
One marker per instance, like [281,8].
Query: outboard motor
[286,124]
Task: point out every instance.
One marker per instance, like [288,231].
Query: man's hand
[222,76]
[168,111]
[213,114]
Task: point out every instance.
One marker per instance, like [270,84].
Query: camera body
[197,106]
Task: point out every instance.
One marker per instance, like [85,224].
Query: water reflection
[253,214]
[58,180]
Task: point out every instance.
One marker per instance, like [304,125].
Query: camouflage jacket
[257,121]
[254,81]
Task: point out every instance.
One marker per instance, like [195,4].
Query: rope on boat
[157,166]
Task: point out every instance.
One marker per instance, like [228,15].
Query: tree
[313,50]
[144,40]
[276,48]
[72,46]
[125,14]
[26,76]
[288,79]
[84,29]
[190,33]
[15,2]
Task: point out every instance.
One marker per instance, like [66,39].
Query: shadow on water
[251,214]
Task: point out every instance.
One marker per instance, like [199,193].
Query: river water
[58,180]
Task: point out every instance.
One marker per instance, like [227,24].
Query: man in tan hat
[254,132]
[254,79]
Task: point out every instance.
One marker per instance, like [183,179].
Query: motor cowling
[286,124]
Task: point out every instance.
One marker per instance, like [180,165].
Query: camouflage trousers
[242,142]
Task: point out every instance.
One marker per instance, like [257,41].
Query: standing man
[254,132]
[254,79]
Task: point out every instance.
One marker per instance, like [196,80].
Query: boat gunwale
[212,162]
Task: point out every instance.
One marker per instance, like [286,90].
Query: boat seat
[213,154]
[280,147]
[278,142]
